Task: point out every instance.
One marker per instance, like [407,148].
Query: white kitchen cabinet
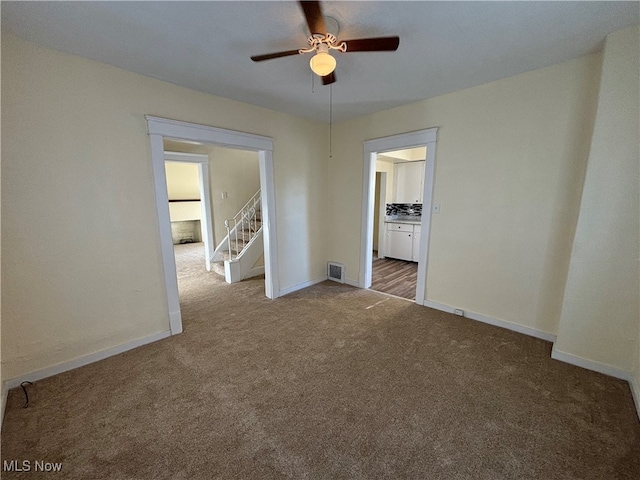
[399,241]
[408,182]
[416,243]
[399,245]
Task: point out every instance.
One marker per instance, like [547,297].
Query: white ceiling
[444,46]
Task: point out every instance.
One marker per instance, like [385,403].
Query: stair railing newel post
[226,224]
[236,235]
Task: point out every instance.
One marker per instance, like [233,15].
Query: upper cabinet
[408,182]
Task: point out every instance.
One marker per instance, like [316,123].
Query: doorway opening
[397,221]
[397,204]
[161,129]
[189,195]
[226,179]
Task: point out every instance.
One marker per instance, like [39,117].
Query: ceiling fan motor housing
[331,36]
[323,37]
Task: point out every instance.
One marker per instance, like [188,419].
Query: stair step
[218,267]
[245,230]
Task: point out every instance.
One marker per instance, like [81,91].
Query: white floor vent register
[335,271]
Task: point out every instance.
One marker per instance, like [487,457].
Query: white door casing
[382,213]
[372,147]
[205,197]
[158,128]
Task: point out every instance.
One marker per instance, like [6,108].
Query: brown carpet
[330,382]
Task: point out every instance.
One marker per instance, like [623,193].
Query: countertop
[413,220]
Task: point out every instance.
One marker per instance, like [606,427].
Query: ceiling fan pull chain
[330,120]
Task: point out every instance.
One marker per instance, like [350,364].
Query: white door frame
[382,212]
[420,138]
[205,197]
[158,128]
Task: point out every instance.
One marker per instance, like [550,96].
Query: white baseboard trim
[300,286]
[635,391]
[254,272]
[3,399]
[391,295]
[353,283]
[84,360]
[590,364]
[175,322]
[555,353]
[601,368]
[549,337]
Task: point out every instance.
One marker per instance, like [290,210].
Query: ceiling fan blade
[315,19]
[269,56]
[378,44]
[329,79]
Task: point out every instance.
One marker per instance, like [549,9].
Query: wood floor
[396,277]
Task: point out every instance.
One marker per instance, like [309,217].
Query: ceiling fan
[323,38]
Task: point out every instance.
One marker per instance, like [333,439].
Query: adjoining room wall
[382,167]
[182,181]
[237,173]
[388,167]
[510,163]
[601,311]
[185,210]
[234,177]
[82,267]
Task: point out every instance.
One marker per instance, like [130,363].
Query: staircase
[237,254]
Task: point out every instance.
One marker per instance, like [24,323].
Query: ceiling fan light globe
[322,64]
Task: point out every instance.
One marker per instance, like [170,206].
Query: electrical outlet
[459,312]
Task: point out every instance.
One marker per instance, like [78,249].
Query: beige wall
[510,166]
[236,172]
[601,312]
[82,268]
[510,163]
[388,167]
[407,154]
[185,211]
[183,180]
[183,183]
